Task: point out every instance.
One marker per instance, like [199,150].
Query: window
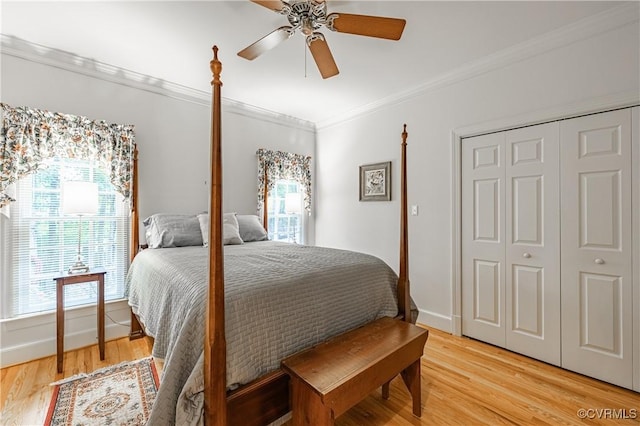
[42,241]
[284,209]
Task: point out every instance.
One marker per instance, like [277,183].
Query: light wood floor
[464,382]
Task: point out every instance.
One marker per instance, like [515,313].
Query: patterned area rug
[117,395]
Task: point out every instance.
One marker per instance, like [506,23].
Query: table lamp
[81,199]
[293,206]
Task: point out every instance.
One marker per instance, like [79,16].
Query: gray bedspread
[279,298]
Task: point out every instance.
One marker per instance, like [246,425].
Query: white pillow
[230,232]
[250,228]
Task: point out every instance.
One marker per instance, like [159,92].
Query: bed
[280,298]
[222,335]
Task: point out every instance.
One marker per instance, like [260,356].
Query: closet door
[533,242]
[483,230]
[597,316]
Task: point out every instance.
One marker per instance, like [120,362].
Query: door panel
[601,313]
[532,247]
[527,301]
[600,210]
[486,210]
[486,292]
[597,310]
[483,238]
[527,210]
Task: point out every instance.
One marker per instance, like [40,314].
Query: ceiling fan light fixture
[306,14]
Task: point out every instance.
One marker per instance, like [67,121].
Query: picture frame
[375,182]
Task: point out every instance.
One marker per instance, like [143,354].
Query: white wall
[594,64]
[172,127]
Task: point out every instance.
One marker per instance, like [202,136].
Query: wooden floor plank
[464,382]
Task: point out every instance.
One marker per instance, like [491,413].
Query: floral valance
[29,136]
[283,165]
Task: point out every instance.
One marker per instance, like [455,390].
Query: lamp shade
[293,203]
[79,198]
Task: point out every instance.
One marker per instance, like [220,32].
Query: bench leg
[411,377]
[306,406]
[385,390]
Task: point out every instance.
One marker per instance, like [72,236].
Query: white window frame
[15,259]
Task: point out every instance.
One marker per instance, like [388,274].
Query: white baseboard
[439,321]
[44,348]
[33,337]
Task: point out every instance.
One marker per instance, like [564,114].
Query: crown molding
[608,20]
[23,49]
[240,108]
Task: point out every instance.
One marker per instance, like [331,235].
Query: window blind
[284,225]
[42,242]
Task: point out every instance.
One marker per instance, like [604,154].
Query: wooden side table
[96,274]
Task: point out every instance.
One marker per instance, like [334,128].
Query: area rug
[116,395]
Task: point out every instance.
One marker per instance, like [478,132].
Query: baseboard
[44,348]
[457,325]
[439,321]
[33,337]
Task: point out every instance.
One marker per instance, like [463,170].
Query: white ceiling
[172,41]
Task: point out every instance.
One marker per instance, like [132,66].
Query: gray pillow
[250,228]
[172,230]
[230,235]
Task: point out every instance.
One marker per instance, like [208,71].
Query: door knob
[599,261]
[526,255]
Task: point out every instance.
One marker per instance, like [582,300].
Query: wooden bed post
[404,300]
[215,348]
[265,193]
[135,328]
[135,230]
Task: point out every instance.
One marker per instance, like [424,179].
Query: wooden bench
[332,377]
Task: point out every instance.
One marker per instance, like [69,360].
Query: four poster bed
[319,294]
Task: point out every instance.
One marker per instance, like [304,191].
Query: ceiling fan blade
[276,5]
[322,55]
[370,26]
[267,42]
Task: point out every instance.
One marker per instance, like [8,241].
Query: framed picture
[375,182]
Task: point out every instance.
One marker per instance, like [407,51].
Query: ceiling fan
[310,15]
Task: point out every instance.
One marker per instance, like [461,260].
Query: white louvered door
[597,289]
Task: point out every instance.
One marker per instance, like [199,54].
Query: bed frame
[267,398]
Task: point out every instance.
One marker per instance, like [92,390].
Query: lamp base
[78,268]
